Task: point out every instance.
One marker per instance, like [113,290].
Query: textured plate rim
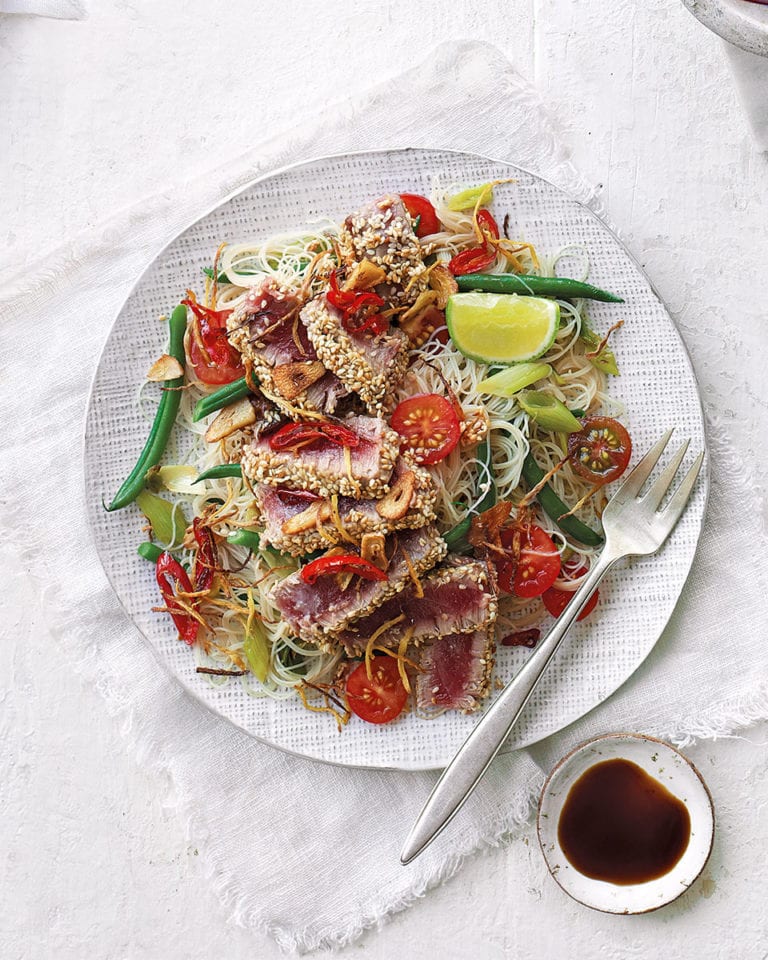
[647,738]
[744,28]
[248,185]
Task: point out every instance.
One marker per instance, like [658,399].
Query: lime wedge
[501,328]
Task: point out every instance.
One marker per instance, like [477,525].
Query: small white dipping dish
[671,769]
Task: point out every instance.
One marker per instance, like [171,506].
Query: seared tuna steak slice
[267,330]
[455,671]
[370,366]
[326,468]
[456,599]
[381,232]
[312,611]
[298,523]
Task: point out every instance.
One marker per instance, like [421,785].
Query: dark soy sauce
[620,825]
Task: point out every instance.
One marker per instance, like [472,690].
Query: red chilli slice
[351,302]
[170,574]
[207,556]
[294,435]
[341,563]
[418,206]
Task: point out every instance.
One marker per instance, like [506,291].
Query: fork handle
[465,771]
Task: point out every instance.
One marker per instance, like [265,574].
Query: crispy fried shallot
[372,549]
[230,419]
[292,379]
[395,504]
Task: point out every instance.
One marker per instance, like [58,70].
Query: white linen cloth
[750,73]
[304,851]
[55,9]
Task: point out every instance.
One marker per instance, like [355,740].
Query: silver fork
[634,526]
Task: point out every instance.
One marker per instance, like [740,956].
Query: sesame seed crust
[358,521]
[354,360]
[435,551]
[252,349]
[448,574]
[382,233]
[485,640]
[286,468]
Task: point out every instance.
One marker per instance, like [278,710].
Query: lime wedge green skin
[501,328]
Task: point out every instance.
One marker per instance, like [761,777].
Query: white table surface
[96,114]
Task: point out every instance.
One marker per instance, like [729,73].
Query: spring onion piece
[554,507]
[468,199]
[244,538]
[165,417]
[167,519]
[257,650]
[149,551]
[220,471]
[606,359]
[229,393]
[176,477]
[456,538]
[222,277]
[507,382]
[548,412]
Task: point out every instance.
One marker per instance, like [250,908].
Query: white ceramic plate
[657,385]
[670,768]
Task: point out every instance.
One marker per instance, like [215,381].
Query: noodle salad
[380,447]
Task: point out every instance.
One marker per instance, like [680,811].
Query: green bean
[229,393]
[220,472]
[484,456]
[165,417]
[456,538]
[244,538]
[554,507]
[561,287]
[149,551]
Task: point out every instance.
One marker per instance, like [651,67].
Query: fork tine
[671,513]
[664,481]
[638,476]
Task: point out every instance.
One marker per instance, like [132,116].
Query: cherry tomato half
[537,567]
[539,564]
[224,364]
[557,600]
[428,425]
[600,451]
[381,698]
[419,206]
